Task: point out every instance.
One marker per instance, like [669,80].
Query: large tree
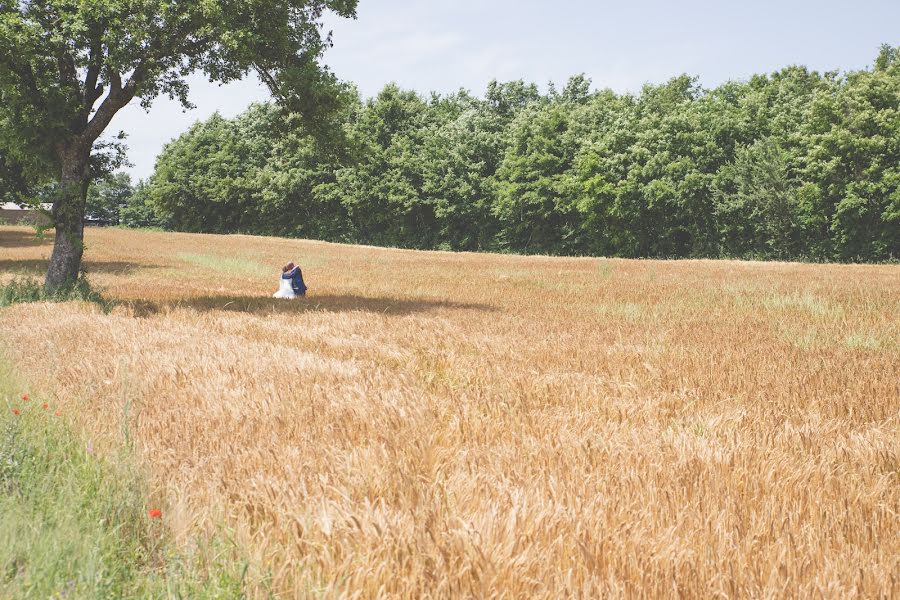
[68,66]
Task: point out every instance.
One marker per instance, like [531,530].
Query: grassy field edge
[75,525]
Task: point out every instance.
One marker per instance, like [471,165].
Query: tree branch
[269,80]
[120,95]
[92,91]
[117,98]
[68,75]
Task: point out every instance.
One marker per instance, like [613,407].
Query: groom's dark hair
[287,267]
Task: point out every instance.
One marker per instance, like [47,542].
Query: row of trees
[797,164]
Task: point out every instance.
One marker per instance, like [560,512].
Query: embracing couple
[291,284]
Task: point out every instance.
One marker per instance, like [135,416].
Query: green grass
[26,289]
[862,341]
[806,302]
[75,526]
[605,269]
[223,264]
[626,311]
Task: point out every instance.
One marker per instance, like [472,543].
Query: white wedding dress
[285,290]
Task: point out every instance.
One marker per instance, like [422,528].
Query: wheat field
[435,425]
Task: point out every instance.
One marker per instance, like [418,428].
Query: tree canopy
[792,165]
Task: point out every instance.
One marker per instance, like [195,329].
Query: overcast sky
[444,45]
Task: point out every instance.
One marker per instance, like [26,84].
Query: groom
[293,272]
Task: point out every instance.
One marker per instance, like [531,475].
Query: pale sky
[444,45]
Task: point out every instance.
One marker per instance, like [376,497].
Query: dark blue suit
[296,277]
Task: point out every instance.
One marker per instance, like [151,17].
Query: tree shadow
[39,267]
[24,239]
[328,303]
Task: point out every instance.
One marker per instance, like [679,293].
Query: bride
[291,283]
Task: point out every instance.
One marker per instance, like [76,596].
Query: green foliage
[851,160]
[792,165]
[107,197]
[224,264]
[59,59]
[757,205]
[14,182]
[381,191]
[201,180]
[23,290]
[138,212]
[459,160]
[74,525]
[534,202]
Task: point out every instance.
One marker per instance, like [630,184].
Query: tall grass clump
[73,525]
[26,289]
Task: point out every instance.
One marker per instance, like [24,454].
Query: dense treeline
[796,164]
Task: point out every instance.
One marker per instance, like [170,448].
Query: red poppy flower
[155,513]
[15,411]
[46,406]
[57,413]
[25,397]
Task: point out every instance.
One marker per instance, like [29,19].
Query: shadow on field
[24,239]
[39,267]
[332,303]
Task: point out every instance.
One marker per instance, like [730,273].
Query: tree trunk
[68,217]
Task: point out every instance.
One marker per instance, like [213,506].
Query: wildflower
[46,406]
[25,397]
[16,411]
[57,413]
[90,447]
[155,513]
